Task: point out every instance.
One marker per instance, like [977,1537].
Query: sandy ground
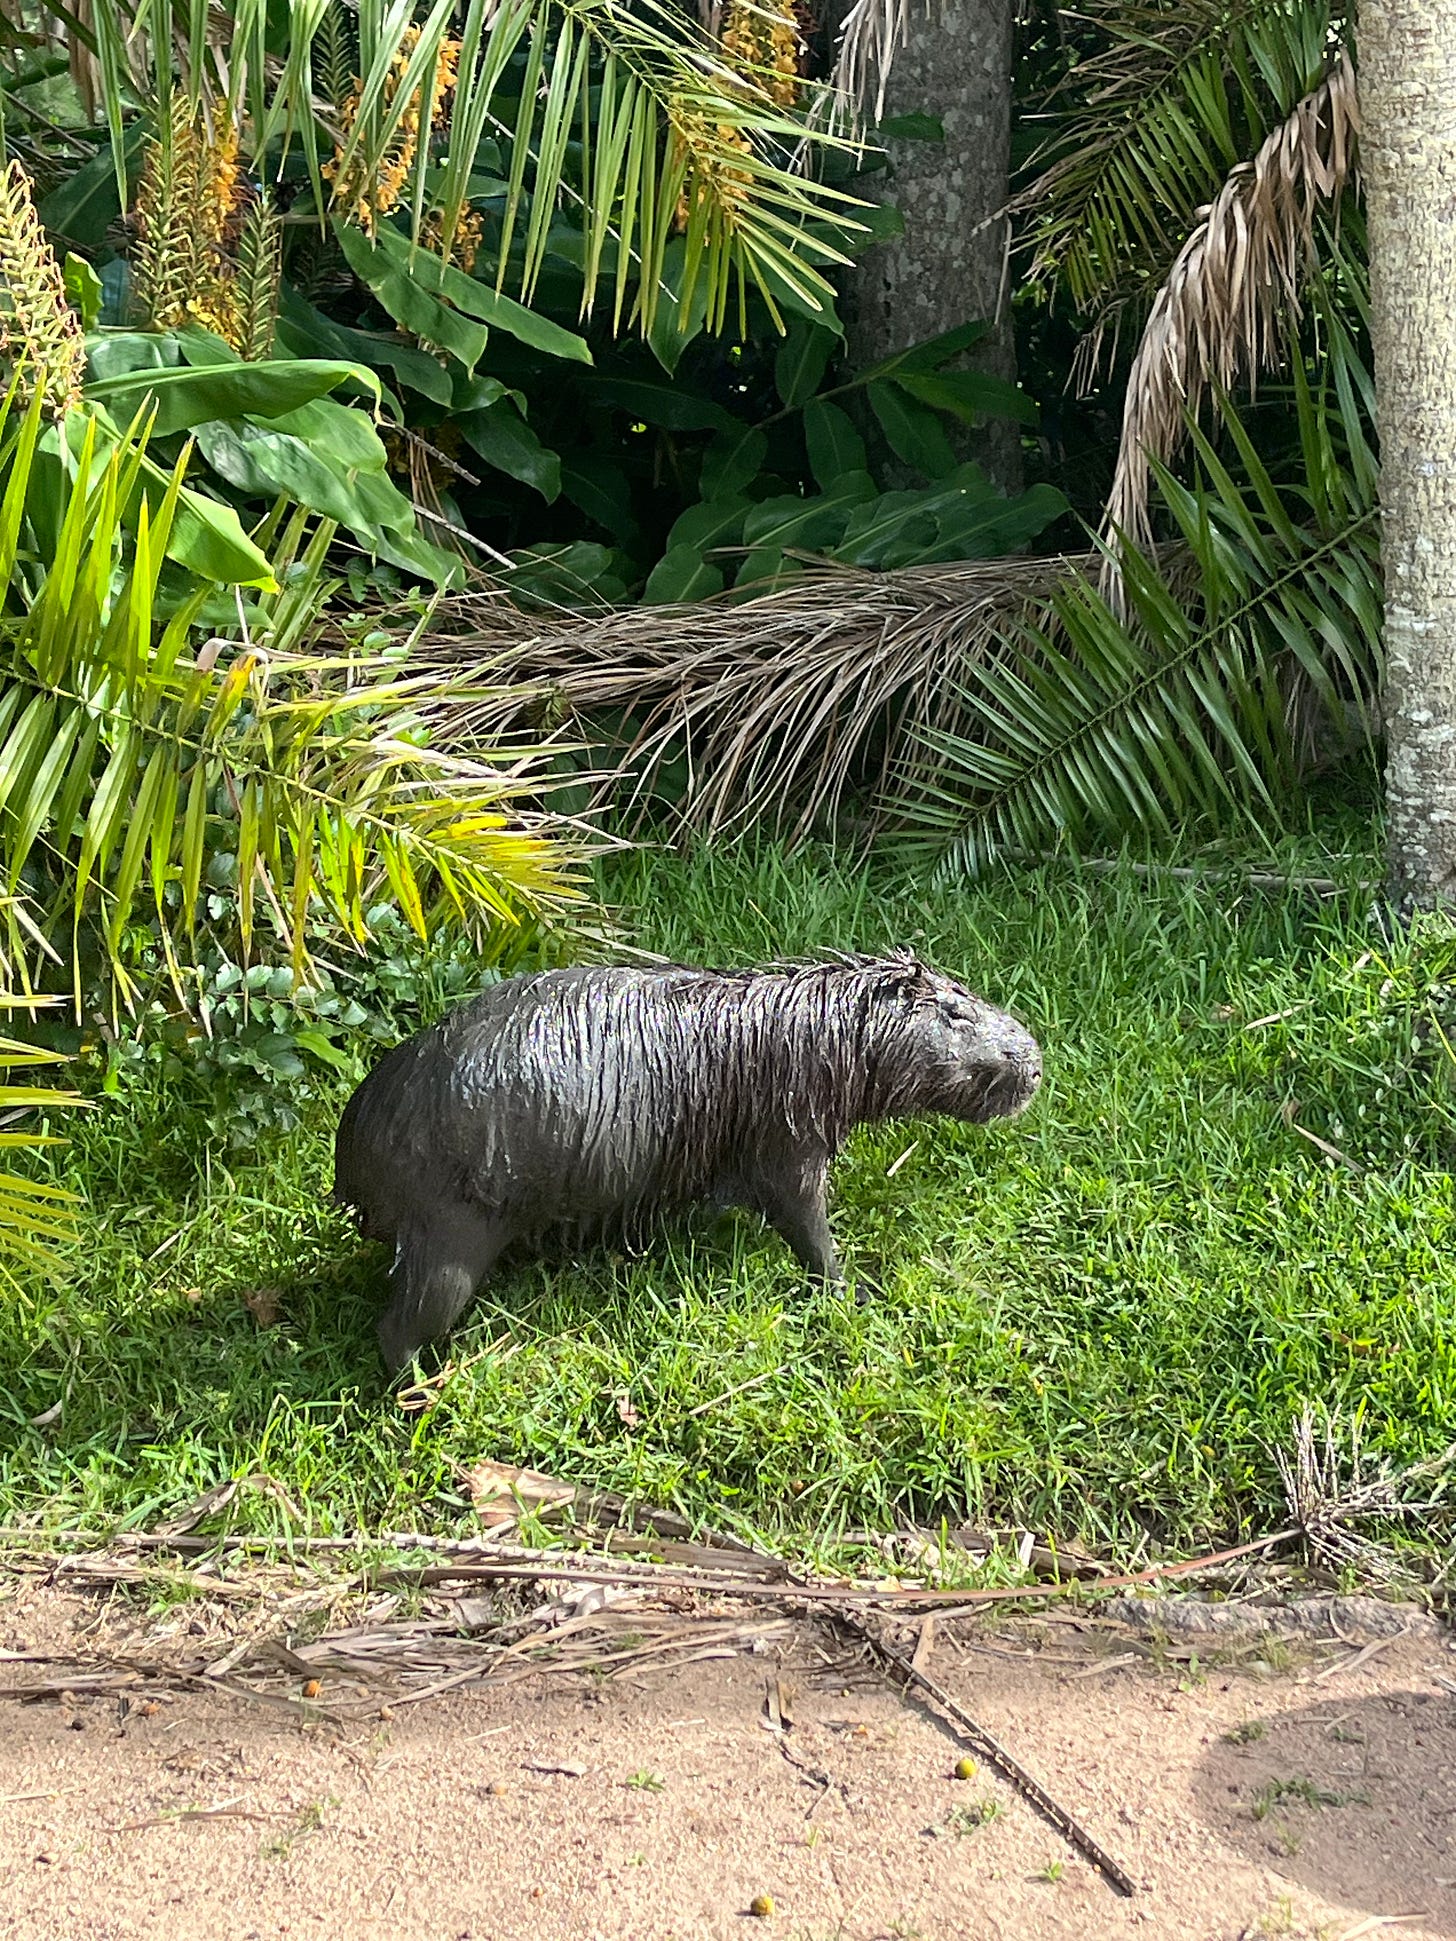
[1273,1800]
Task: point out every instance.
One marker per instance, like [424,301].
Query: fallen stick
[948,1603]
[508,1566]
[1253,879]
[995,1754]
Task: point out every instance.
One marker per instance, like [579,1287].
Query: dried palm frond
[1328,1489]
[1146,126]
[774,707]
[873,33]
[1227,303]
[1190,695]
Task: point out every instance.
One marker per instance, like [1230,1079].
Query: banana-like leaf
[178,400]
[201,534]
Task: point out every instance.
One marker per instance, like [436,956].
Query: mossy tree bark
[948,266]
[1408,154]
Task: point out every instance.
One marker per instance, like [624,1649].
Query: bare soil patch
[1302,1794]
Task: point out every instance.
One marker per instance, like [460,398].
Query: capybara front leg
[438,1265]
[794,1203]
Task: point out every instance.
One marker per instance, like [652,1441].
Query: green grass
[1101,1320]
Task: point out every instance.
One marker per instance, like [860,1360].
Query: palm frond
[767,711]
[1176,96]
[871,34]
[126,764]
[1227,305]
[34,1215]
[629,114]
[1106,722]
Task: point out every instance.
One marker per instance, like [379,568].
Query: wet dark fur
[579,1099]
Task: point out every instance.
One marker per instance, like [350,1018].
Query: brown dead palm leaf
[773,708]
[872,34]
[1224,308]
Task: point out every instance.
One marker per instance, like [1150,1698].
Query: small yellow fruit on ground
[965,1768]
[761,1905]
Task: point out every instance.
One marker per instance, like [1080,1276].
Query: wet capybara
[582,1100]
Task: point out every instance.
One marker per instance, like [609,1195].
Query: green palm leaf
[1130,717]
[34,1215]
[1171,99]
[627,114]
[126,762]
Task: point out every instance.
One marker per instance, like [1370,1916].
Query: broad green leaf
[506,441]
[306,331]
[660,404]
[205,537]
[895,527]
[580,573]
[316,1041]
[598,486]
[912,128]
[341,435]
[681,574]
[805,525]
[83,290]
[390,513]
[189,397]
[263,461]
[835,447]
[208,538]
[878,222]
[802,359]
[732,461]
[85,203]
[929,355]
[112,354]
[971,396]
[714,522]
[410,303]
[468,294]
[477,392]
[914,434]
[764,569]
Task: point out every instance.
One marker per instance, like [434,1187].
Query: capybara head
[968,1059]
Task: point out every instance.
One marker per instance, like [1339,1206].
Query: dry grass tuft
[1328,1491]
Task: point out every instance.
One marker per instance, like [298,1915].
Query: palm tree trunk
[947,268]
[1408,152]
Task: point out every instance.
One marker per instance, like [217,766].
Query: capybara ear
[915,982]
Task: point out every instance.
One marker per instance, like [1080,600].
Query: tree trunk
[1408,154]
[946,269]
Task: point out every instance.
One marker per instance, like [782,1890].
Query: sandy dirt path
[1255,1803]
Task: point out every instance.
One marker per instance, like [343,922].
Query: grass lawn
[1100,1320]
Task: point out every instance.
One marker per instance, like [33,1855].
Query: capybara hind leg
[438,1265]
